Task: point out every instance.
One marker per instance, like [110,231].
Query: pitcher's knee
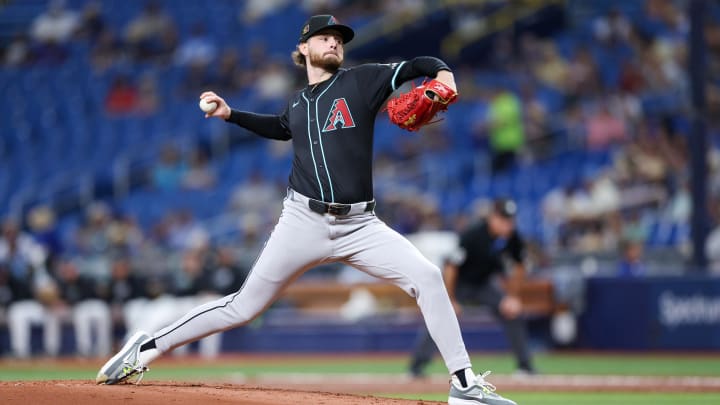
[429,280]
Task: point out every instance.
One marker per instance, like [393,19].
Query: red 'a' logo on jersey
[339,116]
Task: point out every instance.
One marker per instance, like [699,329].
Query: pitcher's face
[325,50]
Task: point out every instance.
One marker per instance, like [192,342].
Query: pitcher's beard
[329,64]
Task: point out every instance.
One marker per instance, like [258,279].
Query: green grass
[568,364]
[601,364]
[592,398]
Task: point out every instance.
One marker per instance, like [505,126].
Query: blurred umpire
[471,277]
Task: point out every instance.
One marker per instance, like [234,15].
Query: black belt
[336,208]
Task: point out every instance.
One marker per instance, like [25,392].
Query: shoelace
[136,372]
[483,383]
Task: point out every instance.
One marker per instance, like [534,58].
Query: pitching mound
[176,393]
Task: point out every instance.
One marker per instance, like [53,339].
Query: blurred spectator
[256,194]
[673,146]
[122,286]
[169,170]
[641,161]
[554,213]
[536,123]
[122,98]
[190,279]
[17,52]
[604,129]
[225,274]
[634,228]
[664,18]
[575,127]
[712,249]
[631,78]
[57,25]
[198,49]
[199,175]
[662,65]
[92,24]
[583,78]
[93,240]
[124,235]
[255,10]
[505,128]
[33,293]
[551,69]
[251,240]
[92,237]
[612,27]
[148,99]
[631,263]
[273,82]
[186,232]
[604,194]
[80,295]
[228,75]
[106,51]
[43,228]
[151,34]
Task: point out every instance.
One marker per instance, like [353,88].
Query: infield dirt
[68,392]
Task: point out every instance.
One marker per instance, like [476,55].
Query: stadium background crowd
[114,190]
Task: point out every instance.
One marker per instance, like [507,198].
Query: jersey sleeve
[285,121]
[375,81]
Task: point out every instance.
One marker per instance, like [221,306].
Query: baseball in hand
[207,107]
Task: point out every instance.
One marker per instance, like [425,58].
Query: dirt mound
[68,392]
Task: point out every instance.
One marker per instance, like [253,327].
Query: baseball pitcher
[328,214]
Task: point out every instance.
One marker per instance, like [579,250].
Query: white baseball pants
[303,239]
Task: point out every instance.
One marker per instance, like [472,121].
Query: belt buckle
[338,209]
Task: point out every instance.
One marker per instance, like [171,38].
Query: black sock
[460,374]
[150,344]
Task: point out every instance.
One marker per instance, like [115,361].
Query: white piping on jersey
[322,150]
[312,153]
[397,70]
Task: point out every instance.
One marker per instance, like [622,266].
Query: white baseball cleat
[478,392]
[125,363]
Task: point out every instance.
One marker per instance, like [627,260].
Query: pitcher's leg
[234,310]
[298,242]
[384,253]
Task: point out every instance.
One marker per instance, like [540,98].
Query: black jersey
[331,125]
[485,254]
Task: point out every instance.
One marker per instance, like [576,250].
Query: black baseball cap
[317,23]
[505,207]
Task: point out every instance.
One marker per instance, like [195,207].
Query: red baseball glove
[418,107]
